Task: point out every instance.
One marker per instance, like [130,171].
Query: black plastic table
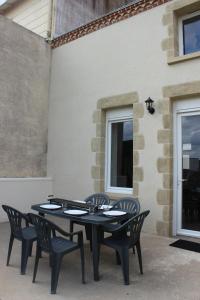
[96,220]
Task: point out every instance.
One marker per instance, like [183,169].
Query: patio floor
[169,273]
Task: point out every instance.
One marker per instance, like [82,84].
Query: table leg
[41,214]
[95,252]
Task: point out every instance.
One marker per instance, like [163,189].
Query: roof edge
[9,4]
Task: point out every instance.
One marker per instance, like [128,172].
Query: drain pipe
[51,22]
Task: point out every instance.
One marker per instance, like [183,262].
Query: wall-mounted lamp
[149,104]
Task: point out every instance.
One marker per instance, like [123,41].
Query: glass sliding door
[187,168]
[191,172]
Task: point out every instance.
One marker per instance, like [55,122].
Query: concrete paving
[169,273]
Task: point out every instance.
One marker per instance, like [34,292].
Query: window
[119,151]
[189,33]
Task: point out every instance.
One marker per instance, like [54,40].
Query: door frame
[183,107]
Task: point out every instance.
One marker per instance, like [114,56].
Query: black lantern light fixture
[149,104]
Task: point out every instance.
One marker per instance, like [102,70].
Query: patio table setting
[83,216]
[114,224]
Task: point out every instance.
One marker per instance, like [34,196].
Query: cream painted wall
[118,59]
[21,193]
[33,15]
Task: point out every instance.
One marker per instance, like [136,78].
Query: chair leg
[139,256]
[99,249]
[100,235]
[26,245]
[37,257]
[82,264]
[71,229]
[10,248]
[90,245]
[55,273]
[88,233]
[118,260]
[133,250]
[50,261]
[124,255]
[30,251]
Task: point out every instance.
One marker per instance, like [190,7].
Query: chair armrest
[123,226]
[27,219]
[80,237]
[135,223]
[67,234]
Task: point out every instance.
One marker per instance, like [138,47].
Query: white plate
[50,206]
[75,212]
[106,206]
[113,213]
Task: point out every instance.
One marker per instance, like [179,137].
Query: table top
[97,218]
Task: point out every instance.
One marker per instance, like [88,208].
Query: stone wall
[24,83]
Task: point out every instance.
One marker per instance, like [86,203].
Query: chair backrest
[133,226]
[98,199]
[128,204]
[16,219]
[136,224]
[45,231]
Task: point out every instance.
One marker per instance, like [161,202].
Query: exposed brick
[168,150]
[167,181]
[138,142]
[135,158]
[164,136]
[167,213]
[164,228]
[138,174]
[167,121]
[138,110]
[164,197]
[164,165]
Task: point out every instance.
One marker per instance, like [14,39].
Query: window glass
[191,172]
[121,169]
[191,35]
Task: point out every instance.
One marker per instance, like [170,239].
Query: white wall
[21,193]
[118,59]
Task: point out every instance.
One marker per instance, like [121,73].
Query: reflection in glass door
[189,171]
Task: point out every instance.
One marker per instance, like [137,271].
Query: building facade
[52,18]
[101,135]
[100,81]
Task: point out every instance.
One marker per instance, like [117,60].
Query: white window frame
[191,106]
[180,31]
[114,116]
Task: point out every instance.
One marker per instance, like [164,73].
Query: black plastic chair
[20,230]
[128,204]
[96,200]
[56,245]
[123,238]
